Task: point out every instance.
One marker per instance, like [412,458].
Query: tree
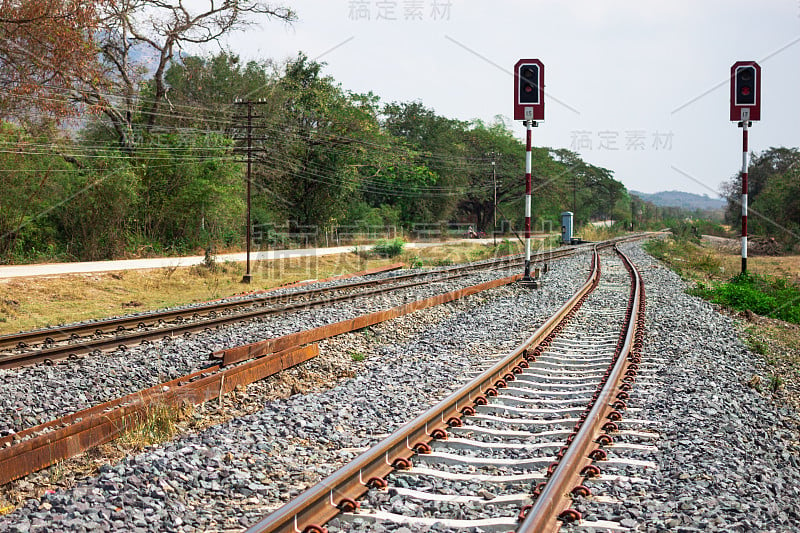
[155,30]
[189,193]
[597,195]
[779,205]
[29,183]
[113,48]
[486,144]
[202,90]
[763,168]
[45,46]
[772,194]
[313,140]
[434,145]
[94,223]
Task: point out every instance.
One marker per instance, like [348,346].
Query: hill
[685,200]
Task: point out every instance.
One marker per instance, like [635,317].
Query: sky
[638,87]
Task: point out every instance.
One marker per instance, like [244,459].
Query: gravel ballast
[38,394]
[231,475]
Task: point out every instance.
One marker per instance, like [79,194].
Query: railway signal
[529,90]
[745,108]
[745,90]
[528,107]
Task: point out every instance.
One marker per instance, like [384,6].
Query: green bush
[506,247]
[388,248]
[763,295]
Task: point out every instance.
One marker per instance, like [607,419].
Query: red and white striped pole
[528,126]
[745,122]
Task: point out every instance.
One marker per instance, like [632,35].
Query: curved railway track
[52,344]
[506,450]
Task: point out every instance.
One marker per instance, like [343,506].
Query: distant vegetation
[125,148]
[684,200]
[774,195]
[324,157]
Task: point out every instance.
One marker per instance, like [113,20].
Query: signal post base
[531,282]
[247,278]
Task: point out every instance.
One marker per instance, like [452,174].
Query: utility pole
[248,277]
[494,182]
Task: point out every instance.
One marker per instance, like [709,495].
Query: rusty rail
[339,491]
[551,506]
[111,325]
[97,425]
[43,445]
[258,349]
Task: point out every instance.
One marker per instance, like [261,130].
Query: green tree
[202,91]
[29,180]
[190,191]
[779,205]
[312,149]
[435,147]
[98,203]
[765,173]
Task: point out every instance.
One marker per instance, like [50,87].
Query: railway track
[52,344]
[28,450]
[506,450]
[33,447]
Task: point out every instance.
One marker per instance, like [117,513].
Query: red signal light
[745,90]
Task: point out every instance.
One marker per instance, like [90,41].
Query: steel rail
[132,337]
[77,332]
[339,491]
[117,324]
[110,325]
[551,504]
[129,338]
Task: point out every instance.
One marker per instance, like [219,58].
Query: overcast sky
[638,87]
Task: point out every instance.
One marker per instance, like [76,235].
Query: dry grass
[38,302]
[709,261]
[786,266]
[44,301]
[599,233]
[159,424]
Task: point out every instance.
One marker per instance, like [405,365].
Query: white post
[528,126]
